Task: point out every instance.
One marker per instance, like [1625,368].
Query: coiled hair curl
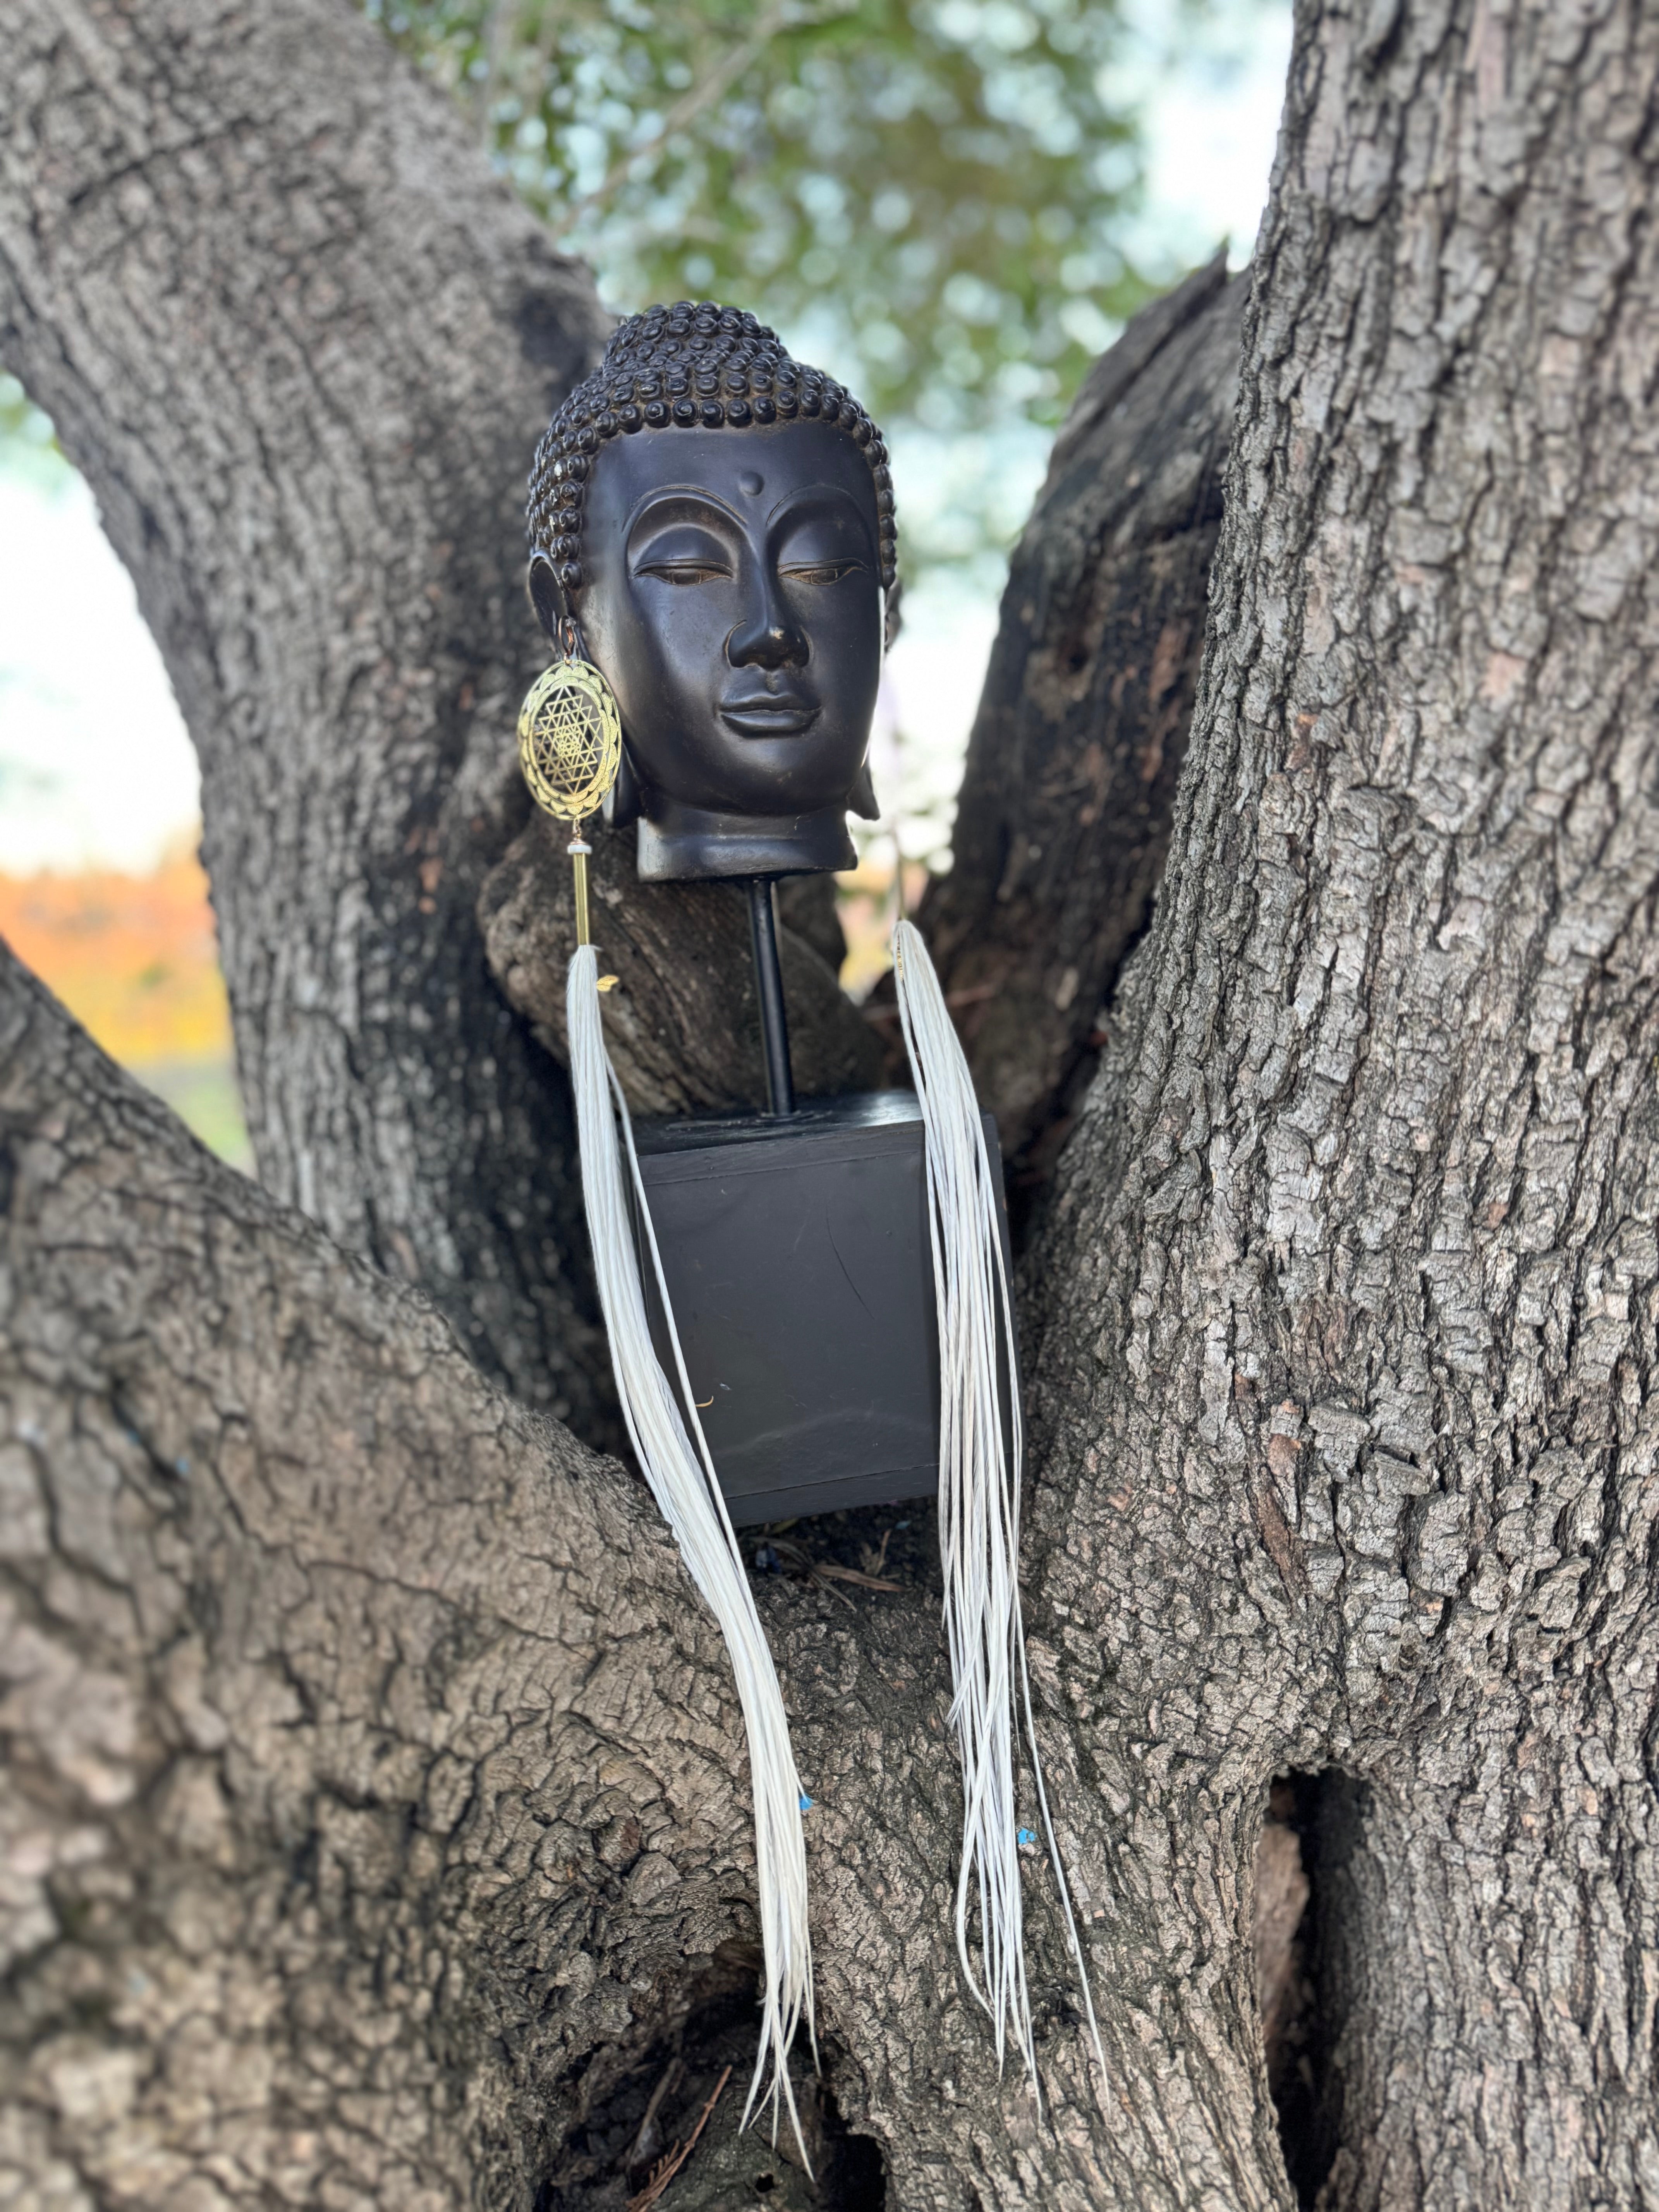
[694,364]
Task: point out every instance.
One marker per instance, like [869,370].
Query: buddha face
[731,595]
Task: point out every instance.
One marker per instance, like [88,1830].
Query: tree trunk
[369,1760]
[378,1831]
[1344,1312]
[1063,818]
[303,341]
[684,1028]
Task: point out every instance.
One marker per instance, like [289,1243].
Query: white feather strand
[683,1481]
[980,1462]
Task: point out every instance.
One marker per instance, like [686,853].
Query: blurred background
[951,205]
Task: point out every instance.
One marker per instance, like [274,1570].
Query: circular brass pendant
[569,739]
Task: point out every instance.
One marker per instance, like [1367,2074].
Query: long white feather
[683,1481]
[980,1460]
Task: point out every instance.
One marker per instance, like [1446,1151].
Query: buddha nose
[766,636]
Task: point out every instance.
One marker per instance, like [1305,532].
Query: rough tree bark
[1345,1309]
[297,339]
[1063,817]
[377,1831]
[684,1028]
[303,341]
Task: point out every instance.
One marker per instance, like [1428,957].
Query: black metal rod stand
[768,987]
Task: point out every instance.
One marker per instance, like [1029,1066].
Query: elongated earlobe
[547,595]
[862,797]
[622,803]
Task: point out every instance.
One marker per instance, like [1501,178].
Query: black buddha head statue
[718,519]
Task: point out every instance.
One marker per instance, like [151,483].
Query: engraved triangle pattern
[569,739]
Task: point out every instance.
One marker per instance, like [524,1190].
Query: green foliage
[15,408]
[28,447]
[928,192]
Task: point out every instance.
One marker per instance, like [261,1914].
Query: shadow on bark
[1304,1919]
[642,2111]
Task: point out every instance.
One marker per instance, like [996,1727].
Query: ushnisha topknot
[694,365]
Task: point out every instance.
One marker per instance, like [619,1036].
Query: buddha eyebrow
[675,496]
[830,500]
[818,495]
[665,511]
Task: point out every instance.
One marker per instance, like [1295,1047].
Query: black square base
[797,1259]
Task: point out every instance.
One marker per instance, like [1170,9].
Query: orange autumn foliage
[868,911]
[135,958]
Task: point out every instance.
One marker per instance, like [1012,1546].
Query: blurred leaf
[135,958]
[28,446]
[927,194]
[933,200]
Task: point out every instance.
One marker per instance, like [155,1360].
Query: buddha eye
[683,572]
[820,572]
[683,554]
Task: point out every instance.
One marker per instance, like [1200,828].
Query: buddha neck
[688,843]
